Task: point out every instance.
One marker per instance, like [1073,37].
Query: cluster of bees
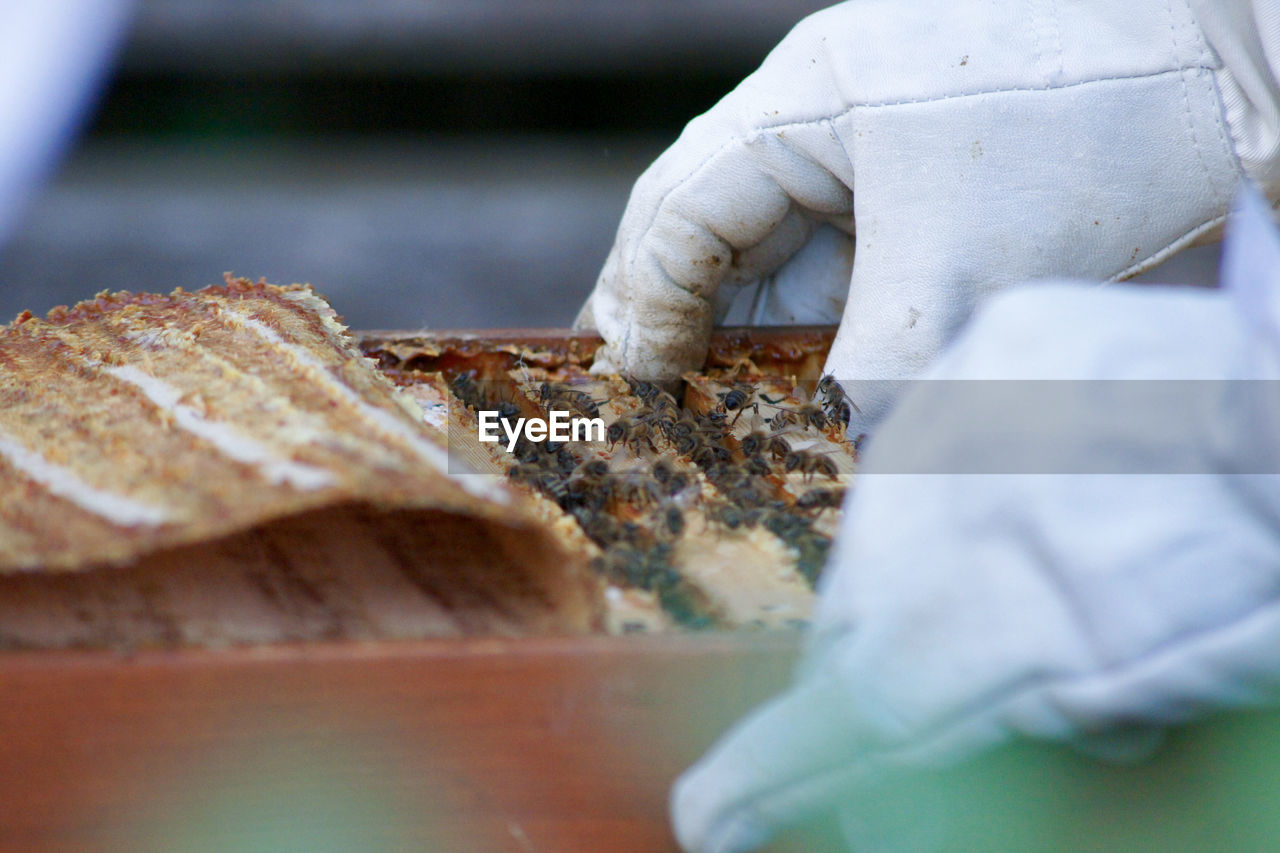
[636,505]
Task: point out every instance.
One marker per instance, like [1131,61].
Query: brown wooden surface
[535,744]
[554,745]
[797,350]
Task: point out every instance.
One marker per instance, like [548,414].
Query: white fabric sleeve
[1128,580]
[1246,36]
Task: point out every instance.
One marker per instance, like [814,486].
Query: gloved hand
[962,609]
[968,145]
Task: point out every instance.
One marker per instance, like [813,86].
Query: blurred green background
[440,163]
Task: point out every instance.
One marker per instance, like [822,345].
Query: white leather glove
[52,54]
[960,610]
[970,144]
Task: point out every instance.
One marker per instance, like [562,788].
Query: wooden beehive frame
[112,739]
[737,545]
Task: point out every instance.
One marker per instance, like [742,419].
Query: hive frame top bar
[797,345]
[723,334]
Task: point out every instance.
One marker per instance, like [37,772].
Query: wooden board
[533,744]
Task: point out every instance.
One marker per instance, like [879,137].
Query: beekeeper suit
[900,167]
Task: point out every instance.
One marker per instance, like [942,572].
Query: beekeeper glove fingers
[965,146]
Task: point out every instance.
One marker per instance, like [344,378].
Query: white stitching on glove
[971,146]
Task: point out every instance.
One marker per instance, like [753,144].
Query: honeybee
[737,399]
[639,489]
[726,515]
[778,447]
[651,395]
[749,497]
[785,525]
[664,404]
[820,499]
[708,455]
[552,484]
[599,527]
[464,388]
[797,533]
[734,399]
[527,451]
[623,564]
[631,431]
[593,469]
[726,476]
[682,426]
[580,491]
[550,393]
[704,456]
[525,472]
[811,554]
[814,414]
[508,412]
[809,414]
[811,463]
[564,460]
[713,422]
[835,402]
[754,442]
[670,521]
[634,534]
[678,482]
[690,425]
[584,405]
[686,445]
[660,401]
[644,390]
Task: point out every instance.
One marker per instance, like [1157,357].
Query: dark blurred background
[423,163]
